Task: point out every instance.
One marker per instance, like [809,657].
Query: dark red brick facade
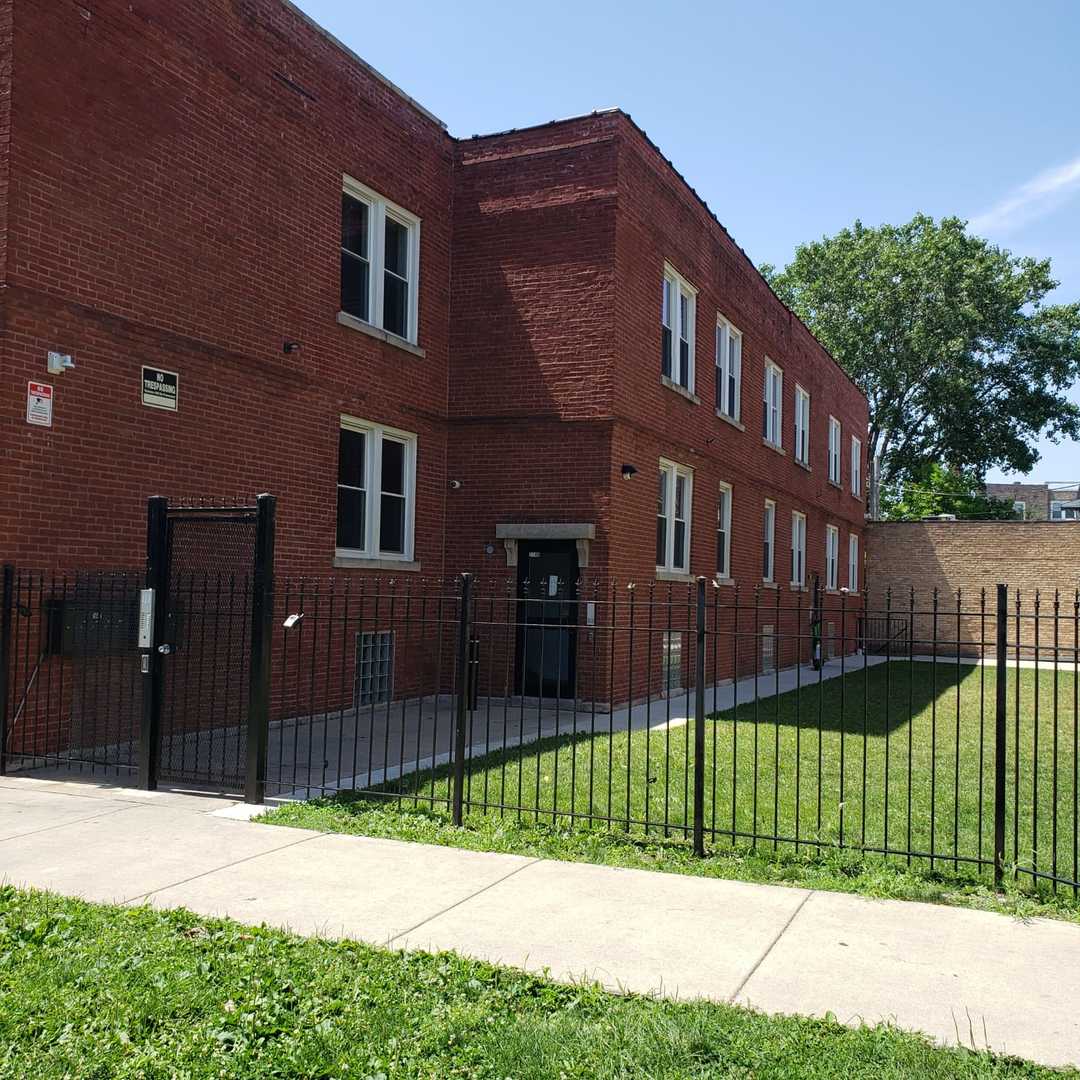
[174,199]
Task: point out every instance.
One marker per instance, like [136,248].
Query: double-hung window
[856,466]
[768,541]
[853,563]
[832,555]
[673,505]
[802,426]
[728,369]
[774,404]
[380,261]
[834,450]
[723,532]
[798,549]
[375,491]
[677,318]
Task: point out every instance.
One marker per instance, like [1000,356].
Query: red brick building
[439,354]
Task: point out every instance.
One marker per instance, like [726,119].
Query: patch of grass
[91,991]
[800,788]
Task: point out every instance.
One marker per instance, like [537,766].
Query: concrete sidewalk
[959,976]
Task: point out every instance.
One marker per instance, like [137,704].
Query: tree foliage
[941,490]
[949,338]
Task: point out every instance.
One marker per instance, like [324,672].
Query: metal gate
[101,673]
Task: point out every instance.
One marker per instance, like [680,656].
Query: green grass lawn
[90,991]
[800,787]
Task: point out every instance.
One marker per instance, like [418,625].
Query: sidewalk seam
[224,866]
[769,948]
[65,824]
[463,900]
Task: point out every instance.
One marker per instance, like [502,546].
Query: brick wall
[971,556]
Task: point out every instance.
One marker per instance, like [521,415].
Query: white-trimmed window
[802,425]
[853,562]
[798,548]
[380,261]
[673,507]
[768,545]
[834,450]
[723,532]
[772,425]
[856,466]
[728,369]
[376,491]
[677,318]
[832,556]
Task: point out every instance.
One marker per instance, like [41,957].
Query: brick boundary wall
[971,556]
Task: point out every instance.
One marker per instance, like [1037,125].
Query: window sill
[730,420]
[674,575]
[344,561]
[353,323]
[835,483]
[671,384]
[722,581]
[794,587]
[803,465]
[769,585]
[774,446]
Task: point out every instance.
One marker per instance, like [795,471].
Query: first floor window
[728,369]
[856,467]
[768,537]
[802,426]
[798,549]
[834,450]
[380,261]
[774,404]
[853,563]
[832,554]
[375,490]
[677,318]
[723,532]
[673,517]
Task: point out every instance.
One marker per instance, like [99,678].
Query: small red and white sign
[39,399]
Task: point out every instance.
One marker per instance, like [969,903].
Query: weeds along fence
[937,731]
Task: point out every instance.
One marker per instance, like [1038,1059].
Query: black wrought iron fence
[940,731]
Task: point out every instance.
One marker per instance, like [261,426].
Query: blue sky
[790,119]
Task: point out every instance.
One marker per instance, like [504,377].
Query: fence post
[5,659]
[699,724]
[1000,731]
[157,578]
[262,604]
[462,699]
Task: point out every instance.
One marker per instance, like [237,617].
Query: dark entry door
[547,617]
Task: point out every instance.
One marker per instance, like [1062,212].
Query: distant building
[1040,502]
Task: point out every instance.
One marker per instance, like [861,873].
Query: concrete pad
[628,929]
[343,886]
[959,976]
[23,812]
[114,789]
[116,856]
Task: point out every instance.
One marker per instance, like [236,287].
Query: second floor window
[774,404]
[677,315]
[728,369]
[673,517]
[798,548]
[834,450]
[856,467]
[802,426]
[380,261]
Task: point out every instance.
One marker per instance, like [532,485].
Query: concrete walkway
[959,976]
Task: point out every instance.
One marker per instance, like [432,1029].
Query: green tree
[949,338]
[941,490]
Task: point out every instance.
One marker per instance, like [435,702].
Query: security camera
[455,485]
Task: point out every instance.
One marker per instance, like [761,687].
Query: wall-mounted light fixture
[629,471]
[290,347]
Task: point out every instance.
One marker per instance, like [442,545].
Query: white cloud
[1041,194]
